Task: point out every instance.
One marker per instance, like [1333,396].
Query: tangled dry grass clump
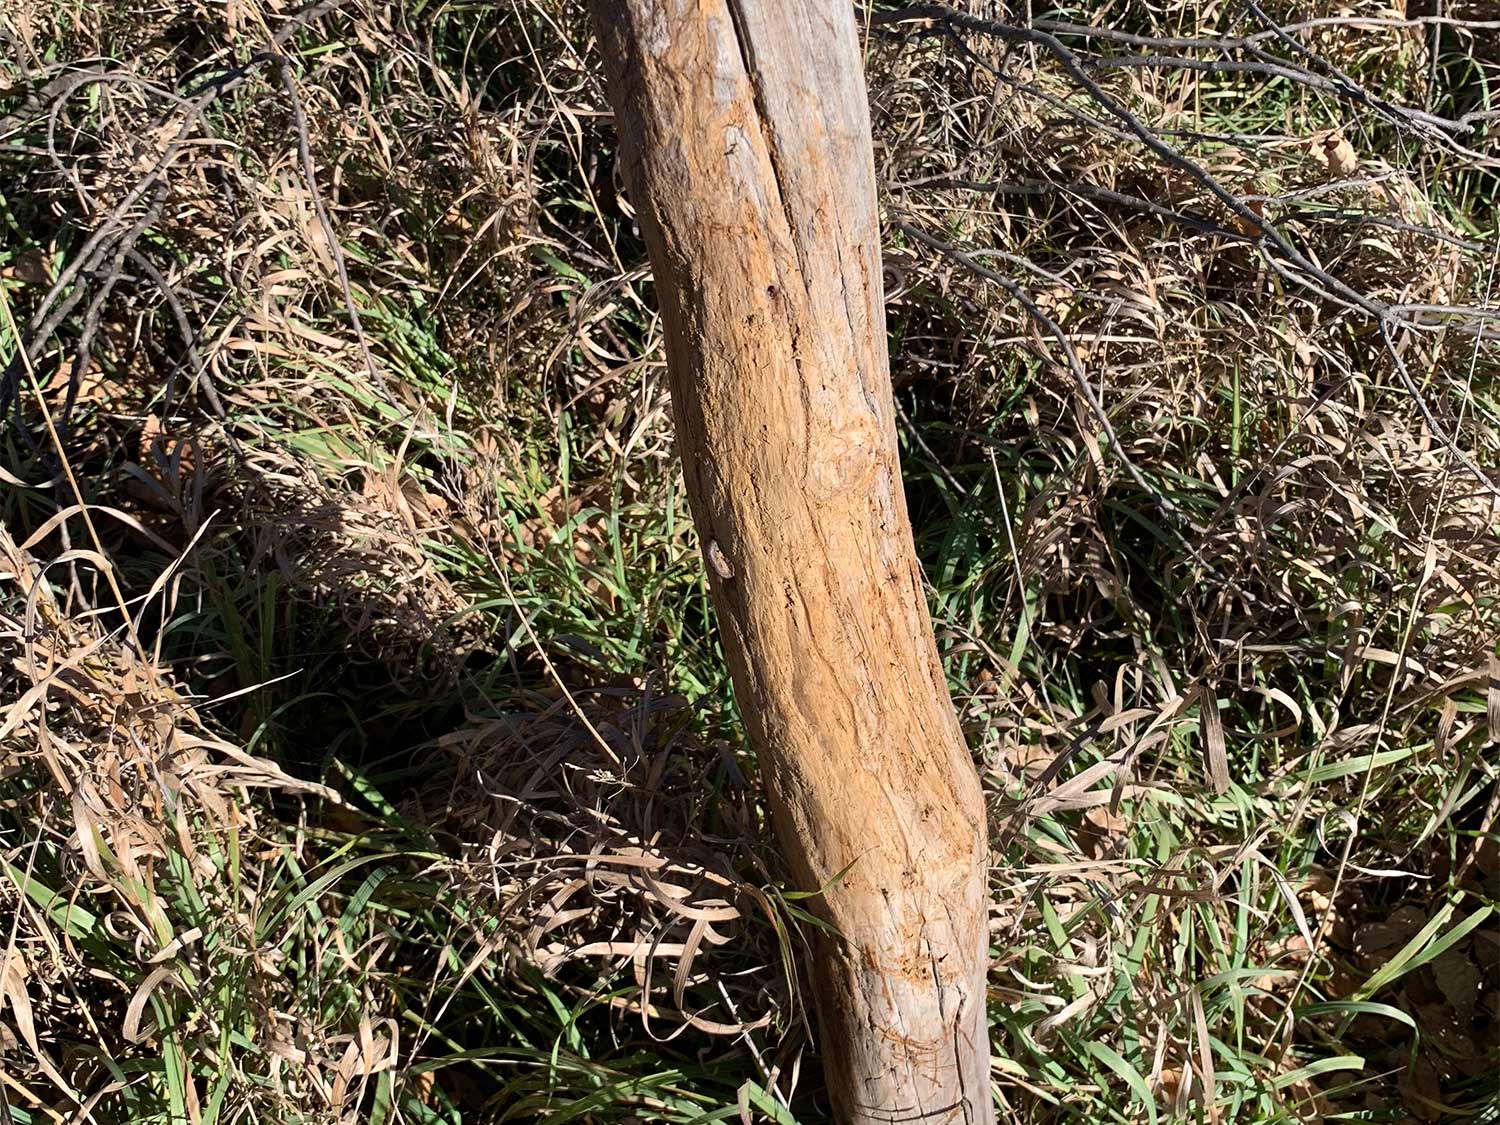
[369,754]
[140,821]
[590,837]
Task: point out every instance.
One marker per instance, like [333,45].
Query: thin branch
[1272,243]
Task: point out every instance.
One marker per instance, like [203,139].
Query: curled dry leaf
[13,991]
[1211,728]
[1332,154]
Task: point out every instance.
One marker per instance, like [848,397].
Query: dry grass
[406,781]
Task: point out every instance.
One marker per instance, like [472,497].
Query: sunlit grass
[409,589]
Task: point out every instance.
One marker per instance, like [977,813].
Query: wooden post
[746,142]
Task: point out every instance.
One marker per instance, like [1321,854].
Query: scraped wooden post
[746,143]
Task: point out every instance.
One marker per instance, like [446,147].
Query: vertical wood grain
[746,143]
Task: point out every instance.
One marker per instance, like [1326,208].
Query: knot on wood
[719,561]
[845,457]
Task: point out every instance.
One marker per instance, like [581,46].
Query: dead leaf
[1211,729]
[1379,941]
[32,266]
[1442,1032]
[1421,1090]
[1487,953]
[1316,888]
[422,1085]
[131,1028]
[1487,856]
[1245,226]
[1171,1088]
[13,988]
[1492,699]
[1101,832]
[1458,978]
[1332,154]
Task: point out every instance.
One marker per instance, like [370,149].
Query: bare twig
[1280,252]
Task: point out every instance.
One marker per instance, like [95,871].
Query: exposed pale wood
[747,151]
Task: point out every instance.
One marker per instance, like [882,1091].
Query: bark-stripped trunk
[746,141]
